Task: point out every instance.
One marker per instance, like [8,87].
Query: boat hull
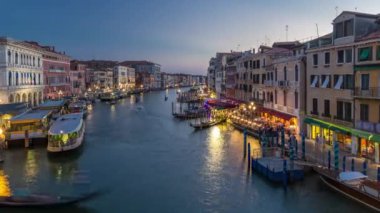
[348,191]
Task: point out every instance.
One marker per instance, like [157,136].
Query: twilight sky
[181,35]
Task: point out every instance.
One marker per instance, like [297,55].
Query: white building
[124,77]
[21,72]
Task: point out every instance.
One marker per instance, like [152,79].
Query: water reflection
[5,189]
[31,166]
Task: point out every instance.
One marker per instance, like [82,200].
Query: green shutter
[364,54]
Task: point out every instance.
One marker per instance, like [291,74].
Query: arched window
[9,57]
[16,78]
[34,61]
[9,78]
[285,74]
[39,78]
[22,78]
[275,74]
[30,78]
[34,78]
[16,58]
[38,60]
[22,59]
[296,72]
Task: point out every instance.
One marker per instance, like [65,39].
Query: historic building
[21,72]
[77,78]
[124,77]
[149,70]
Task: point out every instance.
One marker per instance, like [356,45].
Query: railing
[286,109]
[368,126]
[268,83]
[372,92]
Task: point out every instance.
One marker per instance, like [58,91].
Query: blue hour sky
[181,35]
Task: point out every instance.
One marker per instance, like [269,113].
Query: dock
[273,169]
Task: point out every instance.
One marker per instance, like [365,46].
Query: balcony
[372,92]
[269,83]
[368,126]
[285,84]
[269,105]
[286,109]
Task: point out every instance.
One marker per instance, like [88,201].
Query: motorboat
[352,184]
[66,133]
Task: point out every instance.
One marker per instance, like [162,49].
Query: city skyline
[181,36]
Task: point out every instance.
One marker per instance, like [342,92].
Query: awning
[345,130]
[367,67]
[278,114]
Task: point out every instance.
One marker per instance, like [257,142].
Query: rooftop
[31,115]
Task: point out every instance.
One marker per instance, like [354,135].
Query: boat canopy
[350,176]
[67,124]
[30,116]
[52,104]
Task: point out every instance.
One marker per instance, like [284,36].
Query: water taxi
[107,96]
[78,107]
[352,184]
[66,133]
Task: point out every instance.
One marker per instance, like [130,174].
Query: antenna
[336,10]
[286,30]
[317,30]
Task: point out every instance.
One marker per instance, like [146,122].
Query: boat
[107,96]
[112,102]
[66,133]
[206,124]
[78,107]
[38,200]
[354,185]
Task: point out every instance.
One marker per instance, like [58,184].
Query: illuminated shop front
[357,142]
[275,118]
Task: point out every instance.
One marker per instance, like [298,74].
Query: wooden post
[26,139]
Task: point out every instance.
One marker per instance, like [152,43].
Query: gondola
[207,124]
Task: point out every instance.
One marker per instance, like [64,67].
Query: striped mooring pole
[249,154]
[365,167]
[336,155]
[282,141]
[284,177]
[329,159]
[296,145]
[303,147]
[378,173]
[344,164]
[352,164]
[245,142]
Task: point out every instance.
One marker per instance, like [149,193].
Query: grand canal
[151,162]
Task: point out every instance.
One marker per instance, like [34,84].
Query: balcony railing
[286,109]
[368,126]
[269,83]
[372,92]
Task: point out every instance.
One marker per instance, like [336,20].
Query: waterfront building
[231,76]
[285,87]
[77,78]
[124,77]
[151,70]
[336,110]
[211,74]
[21,72]
[102,79]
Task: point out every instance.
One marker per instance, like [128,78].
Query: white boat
[78,107]
[66,133]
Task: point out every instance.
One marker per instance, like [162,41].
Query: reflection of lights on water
[5,189]
[215,149]
[215,133]
[113,108]
[31,167]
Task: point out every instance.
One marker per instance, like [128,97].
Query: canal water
[150,162]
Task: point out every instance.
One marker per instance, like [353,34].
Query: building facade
[102,80]
[124,77]
[21,72]
[77,78]
[150,70]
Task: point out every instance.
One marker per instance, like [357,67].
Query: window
[340,57]
[364,81]
[296,72]
[9,56]
[315,106]
[264,62]
[365,54]
[285,101]
[327,58]
[16,58]
[275,96]
[348,27]
[378,53]
[275,74]
[314,81]
[339,110]
[348,55]
[325,81]
[327,108]
[258,64]
[38,62]
[9,79]
[296,100]
[315,59]
[347,111]
[348,82]
[285,74]
[364,112]
[339,31]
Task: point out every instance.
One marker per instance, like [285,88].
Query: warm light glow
[5,190]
